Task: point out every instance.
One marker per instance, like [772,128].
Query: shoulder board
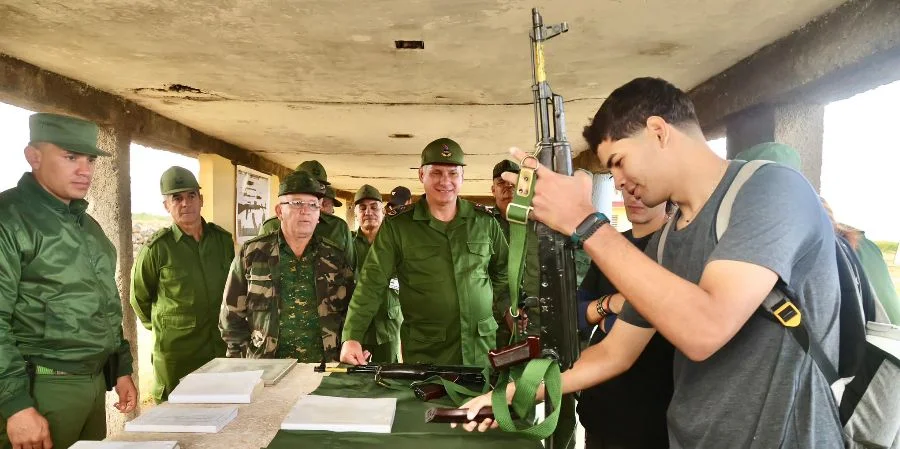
[400,210]
[484,209]
[218,228]
[159,235]
[260,237]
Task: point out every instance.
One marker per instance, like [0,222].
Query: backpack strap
[777,306]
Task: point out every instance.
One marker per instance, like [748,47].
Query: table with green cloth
[410,431]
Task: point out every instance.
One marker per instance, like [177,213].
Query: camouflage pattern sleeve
[334,285]
[233,320]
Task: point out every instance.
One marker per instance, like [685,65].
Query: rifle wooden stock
[459,415]
[505,357]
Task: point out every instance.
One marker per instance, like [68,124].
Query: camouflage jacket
[249,317]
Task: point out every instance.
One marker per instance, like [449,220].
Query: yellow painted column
[218,186]
[273,194]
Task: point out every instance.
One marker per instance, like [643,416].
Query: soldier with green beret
[287,291]
[449,256]
[330,201]
[383,337]
[329,225]
[60,311]
[177,282]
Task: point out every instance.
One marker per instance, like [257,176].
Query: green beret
[366,192]
[772,151]
[69,133]
[504,166]
[443,151]
[177,179]
[301,182]
[316,170]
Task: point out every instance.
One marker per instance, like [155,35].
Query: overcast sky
[860,156]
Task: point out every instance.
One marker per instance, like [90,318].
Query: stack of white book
[273,369]
[125,445]
[218,388]
[339,414]
[165,418]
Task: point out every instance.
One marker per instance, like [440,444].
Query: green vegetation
[150,218]
[887,247]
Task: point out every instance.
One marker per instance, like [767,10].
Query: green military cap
[316,169]
[504,166]
[366,192]
[69,133]
[771,151]
[301,182]
[177,179]
[443,151]
[329,193]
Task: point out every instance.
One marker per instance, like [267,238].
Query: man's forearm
[678,309]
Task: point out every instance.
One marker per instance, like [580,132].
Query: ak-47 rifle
[559,332]
[465,375]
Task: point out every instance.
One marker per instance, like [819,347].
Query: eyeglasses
[300,205]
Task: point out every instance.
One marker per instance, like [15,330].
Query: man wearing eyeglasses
[329,226]
[383,336]
[449,256]
[286,295]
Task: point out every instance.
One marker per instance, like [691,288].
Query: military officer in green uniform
[449,256]
[60,312]
[330,226]
[502,192]
[287,292]
[382,339]
[177,282]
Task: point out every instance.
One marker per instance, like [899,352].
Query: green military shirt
[330,227]
[176,291]
[300,335]
[879,277]
[450,275]
[59,304]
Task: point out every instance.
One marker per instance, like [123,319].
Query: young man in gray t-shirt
[740,379]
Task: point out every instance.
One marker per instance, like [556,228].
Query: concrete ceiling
[296,80]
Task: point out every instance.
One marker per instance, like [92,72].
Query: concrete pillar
[799,125]
[110,205]
[346,210]
[219,188]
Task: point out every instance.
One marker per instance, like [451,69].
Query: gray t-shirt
[760,390]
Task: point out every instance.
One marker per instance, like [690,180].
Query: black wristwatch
[588,227]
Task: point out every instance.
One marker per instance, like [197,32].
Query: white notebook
[337,414]
[125,445]
[218,388]
[165,418]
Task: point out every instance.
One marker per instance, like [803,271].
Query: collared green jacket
[59,304]
[450,275]
[176,291]
[249,318]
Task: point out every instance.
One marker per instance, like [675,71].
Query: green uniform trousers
[74,405]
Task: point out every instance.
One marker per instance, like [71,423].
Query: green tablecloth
[409,431]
